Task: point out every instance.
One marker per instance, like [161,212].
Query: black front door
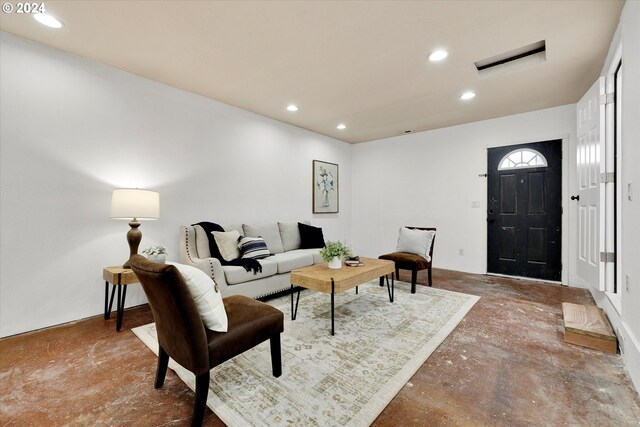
[525,210]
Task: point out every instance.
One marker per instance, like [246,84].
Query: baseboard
[628,343]
[630,349]
[531,279]
[72,322]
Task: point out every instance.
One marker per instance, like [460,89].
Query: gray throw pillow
[269,232]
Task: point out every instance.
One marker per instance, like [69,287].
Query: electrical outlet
[627,279]
[475,204]
[461,252]
[629,192]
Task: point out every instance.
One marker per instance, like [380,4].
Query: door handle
[575,198]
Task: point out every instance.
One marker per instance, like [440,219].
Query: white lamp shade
[128,203]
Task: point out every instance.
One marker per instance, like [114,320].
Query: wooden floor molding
[588,326]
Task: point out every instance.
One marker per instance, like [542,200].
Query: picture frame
[326,196]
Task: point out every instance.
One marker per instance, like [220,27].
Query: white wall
[431,179]
[626,322]
[72,130]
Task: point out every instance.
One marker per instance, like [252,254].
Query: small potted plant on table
[156,254]
[333,252]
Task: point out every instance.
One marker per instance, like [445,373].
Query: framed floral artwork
[325,187]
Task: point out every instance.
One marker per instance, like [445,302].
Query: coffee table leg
[332,307]
[390,288]
[356,290]
[294,311]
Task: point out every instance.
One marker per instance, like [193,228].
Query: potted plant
[333,252]
[156,253]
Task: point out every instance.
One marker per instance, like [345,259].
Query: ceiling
[361,63]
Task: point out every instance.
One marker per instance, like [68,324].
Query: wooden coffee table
[321,278]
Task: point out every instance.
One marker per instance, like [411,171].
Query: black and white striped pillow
[253,247]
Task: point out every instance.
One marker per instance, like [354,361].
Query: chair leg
[429,271]
[276,359]
[202,390]
[414,277]
[161,370]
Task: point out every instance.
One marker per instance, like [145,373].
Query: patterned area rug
[341,380]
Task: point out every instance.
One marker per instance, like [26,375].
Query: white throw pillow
[227,242]
[206,295]
[415,242]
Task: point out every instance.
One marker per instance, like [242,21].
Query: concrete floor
[504,365]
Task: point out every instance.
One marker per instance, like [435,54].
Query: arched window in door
[522,158]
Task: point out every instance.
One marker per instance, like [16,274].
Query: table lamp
[134,204]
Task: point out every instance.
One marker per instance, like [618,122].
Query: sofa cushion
[288,261]
[236,274]
[315,253]
[231,227]
[310,236]
[290,235]
[227,242]
[269,232]
[206,296]
[202,242]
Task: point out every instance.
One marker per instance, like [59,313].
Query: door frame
[566,248]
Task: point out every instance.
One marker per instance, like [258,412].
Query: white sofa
[283,241]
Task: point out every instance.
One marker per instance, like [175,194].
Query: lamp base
[134,236]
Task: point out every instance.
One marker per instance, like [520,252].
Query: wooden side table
[120,278]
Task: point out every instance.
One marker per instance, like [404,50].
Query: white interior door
[591,164]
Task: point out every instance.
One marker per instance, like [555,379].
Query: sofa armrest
[188,255]
[213,269]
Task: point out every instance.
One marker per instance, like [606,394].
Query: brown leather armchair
[183,336]
[415,263]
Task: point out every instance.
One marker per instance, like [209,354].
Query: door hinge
[607,98]
[606,178]
[607,257]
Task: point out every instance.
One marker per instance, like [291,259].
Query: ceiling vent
[513,60]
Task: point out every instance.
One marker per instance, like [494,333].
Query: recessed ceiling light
[47,20]
[341,126]
[292,107]
[467,95]
[438,55]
